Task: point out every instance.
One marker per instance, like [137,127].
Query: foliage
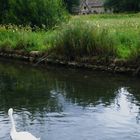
[115,36]
[81,38]
[70,4]
[124,30]
[4,5]
[123,5]
[46,13]
[21,38]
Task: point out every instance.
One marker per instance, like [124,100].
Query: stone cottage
[90,7]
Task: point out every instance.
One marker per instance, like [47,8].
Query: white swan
[19,135]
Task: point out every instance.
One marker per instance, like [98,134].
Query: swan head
[10,111]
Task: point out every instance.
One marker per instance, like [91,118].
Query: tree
[33,12]
[70,4]
[4,5]
[123,5]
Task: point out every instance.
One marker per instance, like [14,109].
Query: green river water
[69,104]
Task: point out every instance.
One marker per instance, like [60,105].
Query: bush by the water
[46,13]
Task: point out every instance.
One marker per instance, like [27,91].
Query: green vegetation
[21,38]
[42,13]
[123,5]
[70,4]
[110,36]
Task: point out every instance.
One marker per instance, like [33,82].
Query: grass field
[116,36]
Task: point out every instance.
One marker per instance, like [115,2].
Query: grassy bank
[115,36]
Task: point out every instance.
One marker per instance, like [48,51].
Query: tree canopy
[70,4]
[123,5]
[32,12]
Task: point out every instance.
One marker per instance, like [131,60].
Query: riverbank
[95,63]
[103,42]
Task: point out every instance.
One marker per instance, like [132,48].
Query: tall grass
[21,38]
[93,36]
[103,35]
[79,38]
[82,36]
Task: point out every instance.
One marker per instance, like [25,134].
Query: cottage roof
[96,3]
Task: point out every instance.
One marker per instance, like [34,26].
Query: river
[69,104]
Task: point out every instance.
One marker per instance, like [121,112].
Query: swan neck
[13,123]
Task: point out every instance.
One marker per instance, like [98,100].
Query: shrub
[42,13]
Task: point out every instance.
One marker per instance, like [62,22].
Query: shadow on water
[38,95]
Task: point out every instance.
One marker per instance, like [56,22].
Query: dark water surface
[62,104]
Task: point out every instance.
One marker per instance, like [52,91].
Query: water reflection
[69,104]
